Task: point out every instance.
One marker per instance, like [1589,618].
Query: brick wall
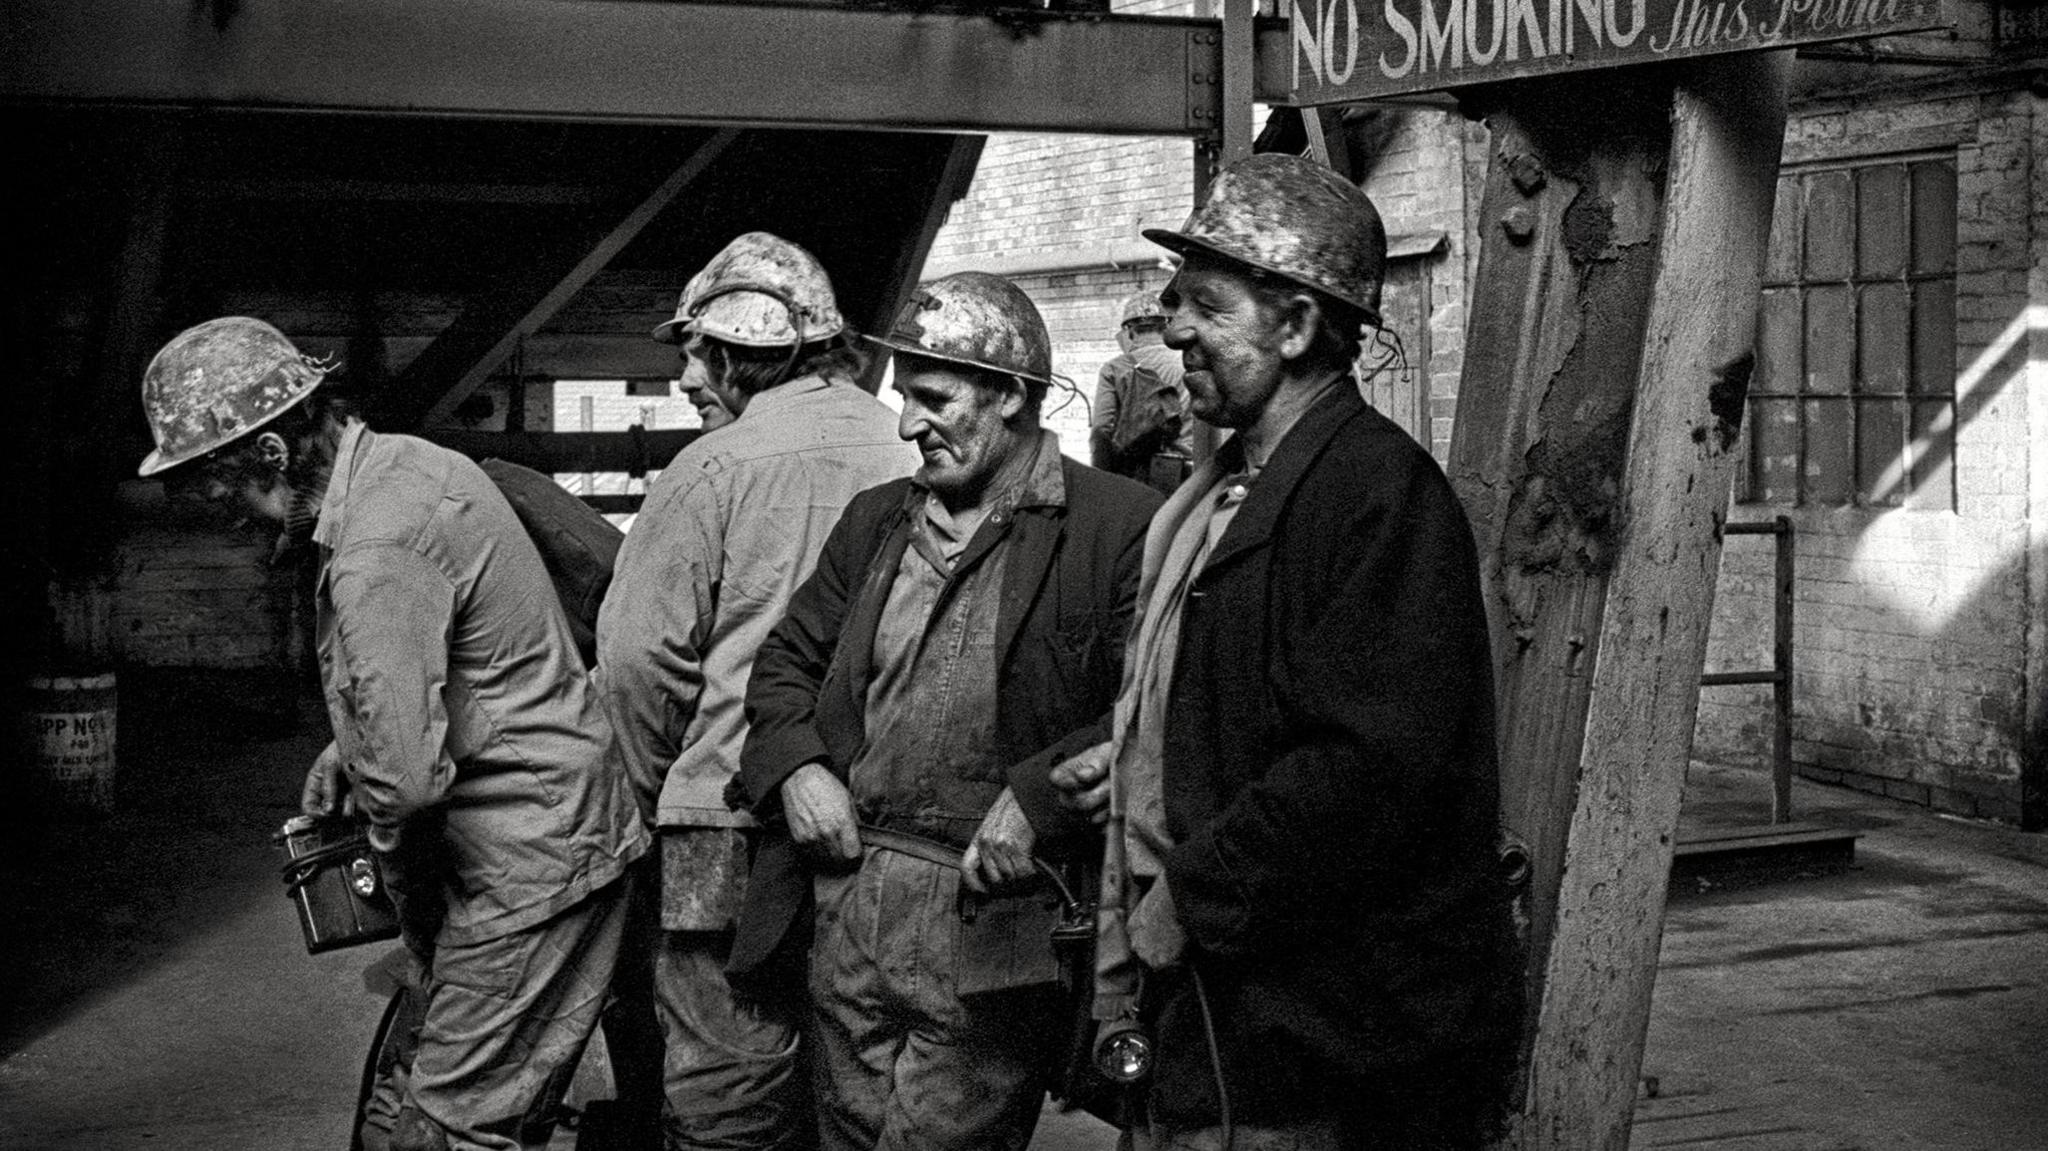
[1061,215]
[1426,179]
[1054,195]
[189,590]
[1914,626]
[1074,205]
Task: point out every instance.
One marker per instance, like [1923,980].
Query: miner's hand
[1083,782]
[820,814]
[1000,855]
[326,788]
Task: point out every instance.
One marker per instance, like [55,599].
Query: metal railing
[1779,676]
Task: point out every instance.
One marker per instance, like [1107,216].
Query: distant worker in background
[728,531]
[961,635]
[1139,426]
[466,730]
[1302,890]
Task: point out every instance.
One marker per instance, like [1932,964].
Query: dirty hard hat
[1142,306]
[1295,219]
[217,382]
[760,292]
[975,319]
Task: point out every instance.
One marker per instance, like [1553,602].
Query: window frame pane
[1933,369]
[1856,339]
[1829,250]
[1881,469]
[1827,451]
[1884,349]
[1881,221]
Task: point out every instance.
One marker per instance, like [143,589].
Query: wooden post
[1602,400]
[1569,226]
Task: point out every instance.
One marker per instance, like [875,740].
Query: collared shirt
[728,531]
[930,764]
[460,707]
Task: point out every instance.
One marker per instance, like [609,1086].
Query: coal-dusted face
[965,423]
[712,411]
[1229,338]
[245,480]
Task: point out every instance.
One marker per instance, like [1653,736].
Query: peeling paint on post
[1605,373]
[1540,441]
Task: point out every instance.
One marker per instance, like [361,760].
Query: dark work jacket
[1069,586]
[1331,788]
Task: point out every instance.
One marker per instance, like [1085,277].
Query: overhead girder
[624,61]
[488,330]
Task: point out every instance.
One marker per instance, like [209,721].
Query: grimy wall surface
[1919,612]
[1062,215]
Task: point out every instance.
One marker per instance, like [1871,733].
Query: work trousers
[507,1020]
[901,1060]
[732,1074]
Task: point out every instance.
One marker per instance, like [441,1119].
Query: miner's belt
[915,846]
[932,851]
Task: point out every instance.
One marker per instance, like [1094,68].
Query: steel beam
[1239,53]
[546,355]
[308,190]
[622,61]
[485,322]
[953,183]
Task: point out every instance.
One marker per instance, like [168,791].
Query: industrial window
[1853,402]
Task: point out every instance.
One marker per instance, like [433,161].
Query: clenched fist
[1083,782]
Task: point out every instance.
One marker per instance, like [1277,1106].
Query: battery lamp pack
[331,877]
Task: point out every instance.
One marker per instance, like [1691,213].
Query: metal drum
[68,733]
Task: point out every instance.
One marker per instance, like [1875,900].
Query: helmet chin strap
[796,347]
[789,304]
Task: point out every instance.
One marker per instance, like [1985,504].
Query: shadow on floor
[209,766]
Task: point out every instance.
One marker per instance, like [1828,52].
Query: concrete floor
[160,996]
[1900,1006]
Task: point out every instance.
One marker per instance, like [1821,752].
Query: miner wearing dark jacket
[1300,894]
[961,634]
